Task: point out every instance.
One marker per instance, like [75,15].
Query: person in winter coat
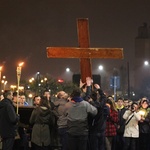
[121,124]
[111,124]
[77,111]
[144,125]
[8,121]
[41,121]
[97,124]
[62,118]
[131,132]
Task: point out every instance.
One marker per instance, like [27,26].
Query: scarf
[77,99]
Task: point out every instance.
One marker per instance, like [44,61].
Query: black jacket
[8,119]
[122,121]
[97,124]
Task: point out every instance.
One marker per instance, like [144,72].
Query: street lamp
[13,87]
[5,84]
[100,67]
[18,80]
[146,63]
[31,80]
[67,69]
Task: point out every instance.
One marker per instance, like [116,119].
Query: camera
[132,107]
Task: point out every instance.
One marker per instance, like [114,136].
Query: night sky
[27,27]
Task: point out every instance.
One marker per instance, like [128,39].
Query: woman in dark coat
[41,121]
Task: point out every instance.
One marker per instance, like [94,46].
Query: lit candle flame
[142,113]
[21,64]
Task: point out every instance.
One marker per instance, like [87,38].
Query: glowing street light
[13,87]
[67,69]
[100,67]
[30,95]
[4,82]
[38,73]
[146,63]
[4,85]
[31,80]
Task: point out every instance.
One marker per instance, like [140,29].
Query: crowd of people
[86,119]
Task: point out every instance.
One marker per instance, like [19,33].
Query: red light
[60,80]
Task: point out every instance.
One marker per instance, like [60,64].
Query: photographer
[131,132]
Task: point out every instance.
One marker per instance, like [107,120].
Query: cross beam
[83,52]
[73,52]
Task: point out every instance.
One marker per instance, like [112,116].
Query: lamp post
[18,81]
[0,77]
[128,71]
[3,82]
[102,76]
[115,78]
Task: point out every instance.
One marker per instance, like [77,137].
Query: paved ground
[1,147]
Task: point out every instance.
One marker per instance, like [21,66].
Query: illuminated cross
[83,52]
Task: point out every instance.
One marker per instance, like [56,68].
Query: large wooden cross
[83,52]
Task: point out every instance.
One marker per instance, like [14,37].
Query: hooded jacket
[77,114]
[41,120]
[8,119]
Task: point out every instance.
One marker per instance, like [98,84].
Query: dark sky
[27,27]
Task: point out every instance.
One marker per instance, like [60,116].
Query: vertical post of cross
[83,40]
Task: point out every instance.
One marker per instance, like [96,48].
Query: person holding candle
[144,125]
